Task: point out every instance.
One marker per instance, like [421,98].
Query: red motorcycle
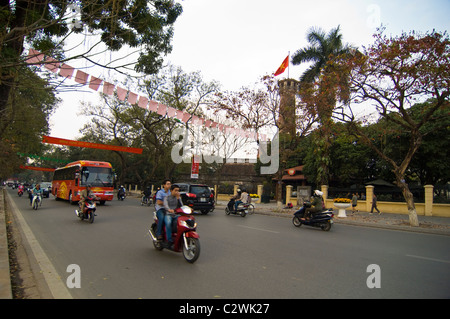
[183,230]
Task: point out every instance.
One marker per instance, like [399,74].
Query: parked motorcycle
[323,220]
[186,239]
[242,209]
[37,201]
[89,210]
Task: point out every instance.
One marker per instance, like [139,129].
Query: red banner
[62,141]
[44,169]
[195,168]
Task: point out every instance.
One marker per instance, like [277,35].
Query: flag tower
[288,91]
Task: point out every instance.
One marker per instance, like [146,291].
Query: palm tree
[322,47]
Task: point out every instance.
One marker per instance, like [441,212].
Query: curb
[5,278]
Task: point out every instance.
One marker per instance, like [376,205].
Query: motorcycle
[242,209]
[121,195]
[20,192]
[183,230]
[37,201]
[89,210]
[323,220]
[146,201]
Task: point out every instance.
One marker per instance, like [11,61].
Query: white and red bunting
[37,58]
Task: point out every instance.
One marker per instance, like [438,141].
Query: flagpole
[289,61]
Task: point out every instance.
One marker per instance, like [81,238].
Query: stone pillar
[429,200]
[369,197]
[236,187]
[288,193]
[260,192]
[324,190]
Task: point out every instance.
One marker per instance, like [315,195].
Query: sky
[235,42]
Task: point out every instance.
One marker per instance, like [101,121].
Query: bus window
[84,175]
[97,176]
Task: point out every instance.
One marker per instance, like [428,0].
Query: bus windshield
[96,176]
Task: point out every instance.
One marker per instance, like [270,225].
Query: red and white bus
[69,181]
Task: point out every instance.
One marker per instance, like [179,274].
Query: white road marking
[427,258]
[266,230]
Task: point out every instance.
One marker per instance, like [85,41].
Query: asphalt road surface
[253,257]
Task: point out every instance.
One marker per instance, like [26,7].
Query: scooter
[241,209]
[186,239]
[121,195]
[146,201]
[89,210]
[323,220]
[20,192]
[37,201]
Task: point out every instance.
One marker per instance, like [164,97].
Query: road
[254,257]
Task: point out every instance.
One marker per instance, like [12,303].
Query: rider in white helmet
[316,204]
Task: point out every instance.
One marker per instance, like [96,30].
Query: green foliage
[27,116]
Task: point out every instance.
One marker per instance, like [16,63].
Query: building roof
[298,176]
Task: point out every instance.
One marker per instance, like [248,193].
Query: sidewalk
[427,224]
[5,281]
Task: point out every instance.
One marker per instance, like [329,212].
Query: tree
[394,74]
[116,122]
[31,106]
[258,109]
[46,24]
[323,47]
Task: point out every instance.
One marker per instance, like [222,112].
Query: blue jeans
[168,221]
[160,214]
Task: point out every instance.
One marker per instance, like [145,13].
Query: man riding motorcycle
[121,192]
[159,206]
[86,193]
[316,205]
[171,202]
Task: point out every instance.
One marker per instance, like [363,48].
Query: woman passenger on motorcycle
[236,198]
[243,199]
[316,205]
[159,206]
[171,202]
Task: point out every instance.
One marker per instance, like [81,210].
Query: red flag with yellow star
[283,66]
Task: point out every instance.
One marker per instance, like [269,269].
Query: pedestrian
[354,202]
[374,204]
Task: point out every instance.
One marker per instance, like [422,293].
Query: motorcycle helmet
[318,193]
